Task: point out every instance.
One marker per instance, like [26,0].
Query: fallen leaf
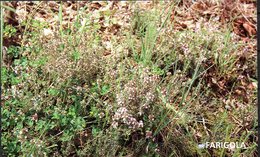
[95,6]
[249,28]
[106,53]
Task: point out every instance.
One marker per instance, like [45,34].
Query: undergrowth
[147,91]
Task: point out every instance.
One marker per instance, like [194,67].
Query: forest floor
[130,79]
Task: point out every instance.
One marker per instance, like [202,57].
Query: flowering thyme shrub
[135,99]
[68,60]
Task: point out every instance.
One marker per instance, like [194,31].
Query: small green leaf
[105,89]
[55,115]
[66,136]
[53,92]
[95,131]
[158,71]
[76,55]
[94,112]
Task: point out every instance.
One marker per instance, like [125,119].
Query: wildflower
[151,117]
[101,115]
[114,124]
[140,124]
[120,99]
[157,150]
[35,117]
[149,97]
[148,134]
